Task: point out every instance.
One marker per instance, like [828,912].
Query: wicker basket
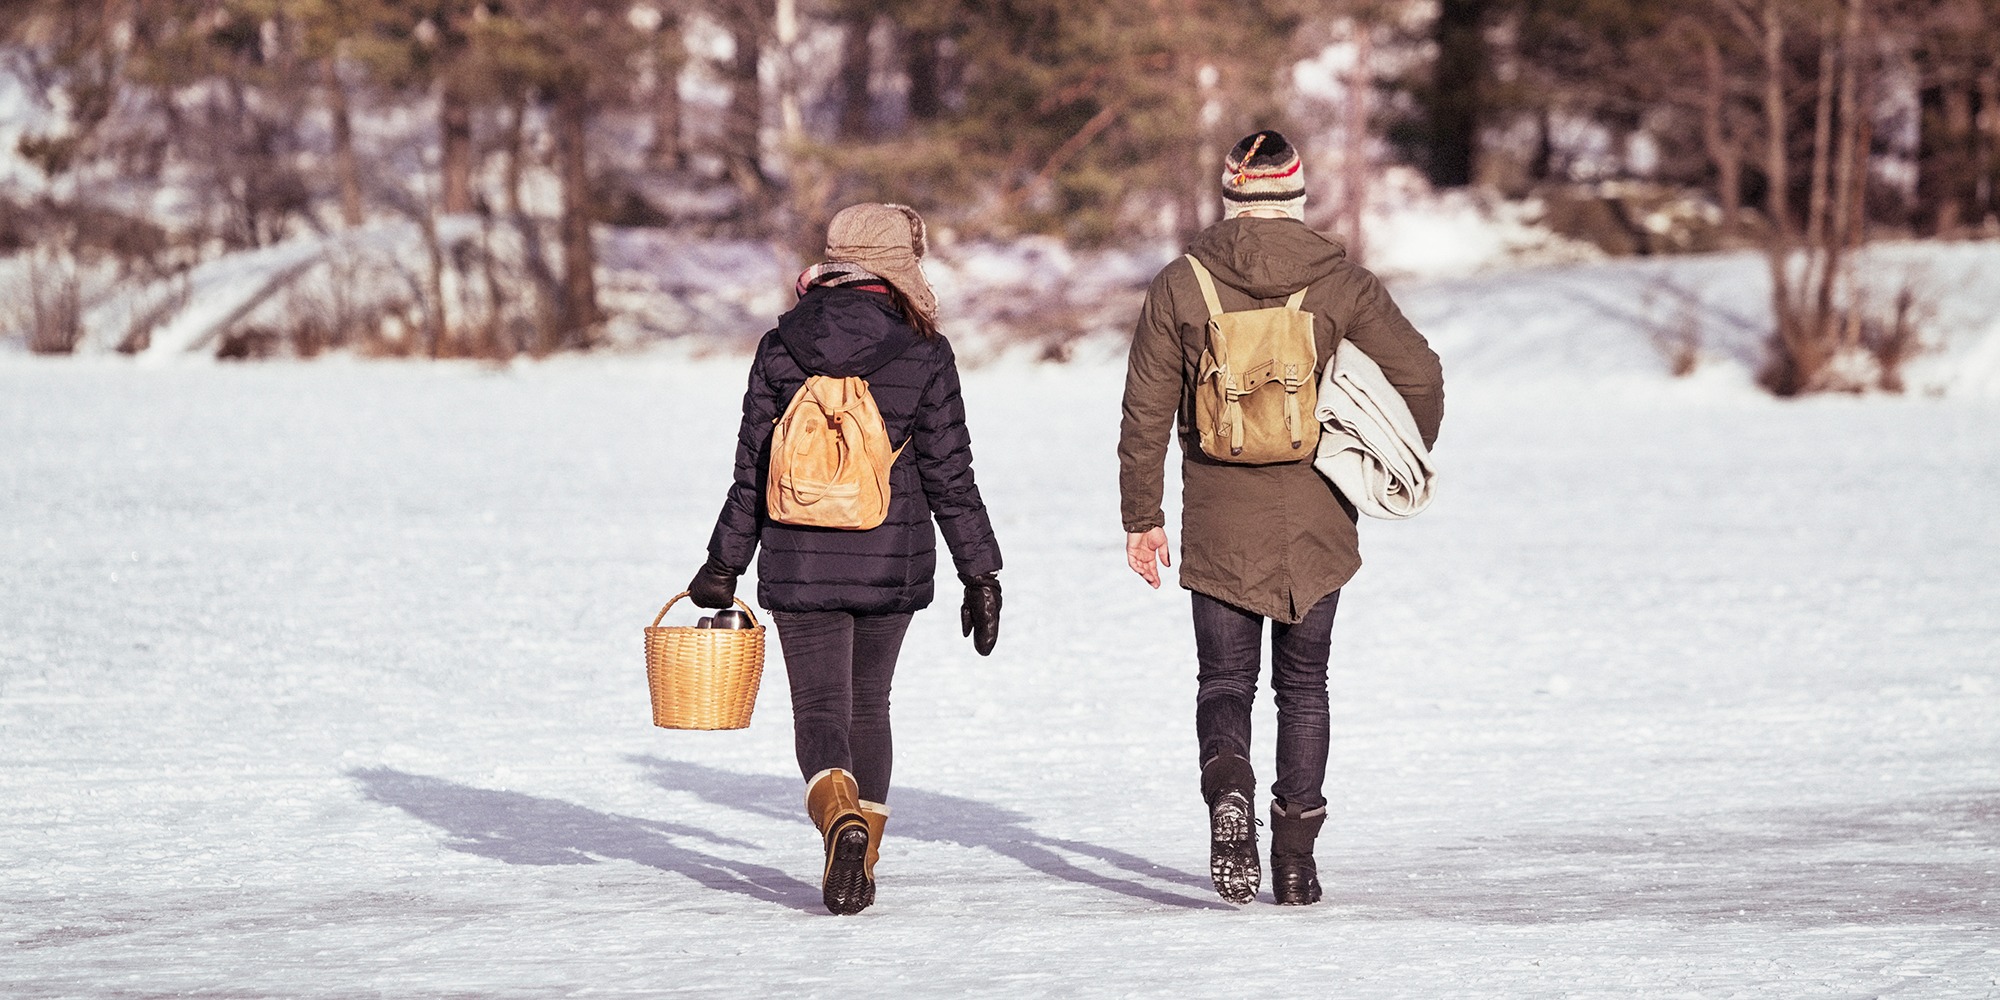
[704,678]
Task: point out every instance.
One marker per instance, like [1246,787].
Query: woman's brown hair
[925,326]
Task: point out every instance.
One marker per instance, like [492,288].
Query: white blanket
[1371,449]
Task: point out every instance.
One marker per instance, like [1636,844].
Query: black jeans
[840,666]
[1227,642]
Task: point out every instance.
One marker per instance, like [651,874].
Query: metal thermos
[730,618]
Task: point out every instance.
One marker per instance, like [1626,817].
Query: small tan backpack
[1255,396]
[830,458]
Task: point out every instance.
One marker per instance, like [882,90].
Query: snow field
[325,680]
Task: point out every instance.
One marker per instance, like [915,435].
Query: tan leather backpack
[1256,392]
[830,458]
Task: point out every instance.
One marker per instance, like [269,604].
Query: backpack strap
[1207,283]
[1298,299]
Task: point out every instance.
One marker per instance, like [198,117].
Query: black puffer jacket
[888,569]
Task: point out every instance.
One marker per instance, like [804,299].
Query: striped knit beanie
[1263,171]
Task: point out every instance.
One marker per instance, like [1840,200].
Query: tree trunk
[669,56]
[1458,79]
[577,314]
[346,170]
[1944,155]
[857,58]
[1822,153]
[791,118]
[455,149]
[1723,151]
[743,134]
[1542,164]
[1777,164]
[1958,209]
[243,174]
[1829,326]
[1354,155]
[1785,373]
[926,73]
[436,337]
[1851,159]
[1986,143]
[516,139]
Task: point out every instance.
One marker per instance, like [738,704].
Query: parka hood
[1266,258]
[845,332]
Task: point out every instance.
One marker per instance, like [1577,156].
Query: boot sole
[846,887]
[1232,851]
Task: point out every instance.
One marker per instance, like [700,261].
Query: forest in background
[503,133]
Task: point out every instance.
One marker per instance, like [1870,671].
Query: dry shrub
[1678,336]
[49,293]
[1895,339]
[1855,346]
[54,303]
[248,343]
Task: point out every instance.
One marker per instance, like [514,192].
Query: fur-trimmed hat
[1263,171]
[888,240]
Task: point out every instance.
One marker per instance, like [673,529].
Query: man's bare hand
[1142,548]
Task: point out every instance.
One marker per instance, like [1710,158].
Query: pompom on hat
[887,240]
[1263,171]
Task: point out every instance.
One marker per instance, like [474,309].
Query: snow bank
[1620,322]
[1414,233]
[1609,324]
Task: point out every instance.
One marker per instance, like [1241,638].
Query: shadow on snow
[948,819]
[1921,860]
[521,829]
[526,830]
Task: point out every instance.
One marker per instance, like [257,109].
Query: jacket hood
[1266,258]
[844,332]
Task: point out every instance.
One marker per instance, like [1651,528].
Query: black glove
[713,586]
[980,614]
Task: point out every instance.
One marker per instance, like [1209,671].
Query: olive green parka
[1272,539]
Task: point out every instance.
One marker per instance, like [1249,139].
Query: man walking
[1264,538]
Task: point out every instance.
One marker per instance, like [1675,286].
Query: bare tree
[857,64]
[1815,301]
[749,23]
[668,56]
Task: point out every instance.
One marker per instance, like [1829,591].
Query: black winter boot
[1228,784]
[1294,875]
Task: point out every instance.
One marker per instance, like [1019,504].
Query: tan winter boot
[877,816]
[834,803]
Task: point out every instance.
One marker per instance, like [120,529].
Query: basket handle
[657,619]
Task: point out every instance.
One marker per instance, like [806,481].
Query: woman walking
[842,597]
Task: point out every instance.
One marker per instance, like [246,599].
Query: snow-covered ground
[324,680]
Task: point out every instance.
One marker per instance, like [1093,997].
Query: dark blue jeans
[840,666]
[1228,643]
